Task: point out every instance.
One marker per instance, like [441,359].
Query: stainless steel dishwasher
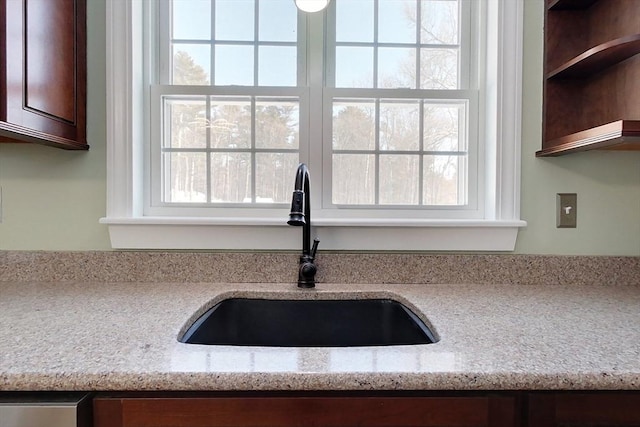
[45,410]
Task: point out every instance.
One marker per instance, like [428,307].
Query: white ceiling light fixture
[311,5]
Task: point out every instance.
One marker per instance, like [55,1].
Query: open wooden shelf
[592,76]
[619,135]
[570,4]
[599,58]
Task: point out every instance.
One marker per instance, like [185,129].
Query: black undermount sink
[308,323]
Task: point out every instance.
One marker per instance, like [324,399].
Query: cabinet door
[604,409]
[305,411]
[43,71]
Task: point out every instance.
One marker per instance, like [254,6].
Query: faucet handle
[314,248]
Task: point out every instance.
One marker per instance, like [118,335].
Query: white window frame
[127,114]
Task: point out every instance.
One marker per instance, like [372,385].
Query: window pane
[186,119]
[354,67]
[185,177]
[234,19]
[399,179]
[439,69]
[441,127]
[277,124]
[191,19]
[230,123]
[234,65]
[399,126]
[354,21]
[353,126]
[277,66]
[230,177]
[278,21]
[191,64]
[397,21]
[441,182]
[274,173]
[396,68]
[353,179]
[439,23]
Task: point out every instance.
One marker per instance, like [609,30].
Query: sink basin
[308,323]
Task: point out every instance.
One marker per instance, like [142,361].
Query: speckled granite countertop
[122,336]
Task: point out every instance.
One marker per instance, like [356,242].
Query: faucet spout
[300,216]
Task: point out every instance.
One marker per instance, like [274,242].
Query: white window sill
[334,234]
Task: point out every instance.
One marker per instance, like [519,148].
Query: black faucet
[301,216]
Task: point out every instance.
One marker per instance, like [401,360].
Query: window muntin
[415,129]
[399,43]
[233,42]
[229,127]
[228,149]
[399,152]
[403,104]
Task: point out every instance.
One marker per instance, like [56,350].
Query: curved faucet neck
[302,184]
[301,216]
[302,178]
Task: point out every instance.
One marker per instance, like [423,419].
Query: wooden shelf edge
[15,133]
[570,4]
[622,134]
[598,58]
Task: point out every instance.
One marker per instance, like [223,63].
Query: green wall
[52,199]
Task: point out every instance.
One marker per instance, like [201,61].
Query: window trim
[127,113]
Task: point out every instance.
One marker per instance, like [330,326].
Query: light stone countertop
[122,336]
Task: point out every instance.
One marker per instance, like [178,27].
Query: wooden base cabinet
[380,409]
[603,409]
[327,411]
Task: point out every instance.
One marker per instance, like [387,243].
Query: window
[226,110]
[400,89]
[406,112]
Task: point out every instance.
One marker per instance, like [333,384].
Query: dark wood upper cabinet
[592,76]
[43,75]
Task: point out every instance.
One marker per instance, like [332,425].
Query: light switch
[566,210]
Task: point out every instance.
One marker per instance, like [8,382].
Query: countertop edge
[319,382]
